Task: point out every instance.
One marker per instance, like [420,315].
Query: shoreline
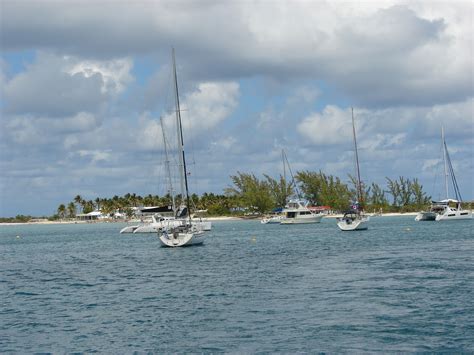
[211,219]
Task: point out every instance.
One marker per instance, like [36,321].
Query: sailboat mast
[284,165]
[178,126]
[358,187]
[180,138]
[167,163]
[445,162]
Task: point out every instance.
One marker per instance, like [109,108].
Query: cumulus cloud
[115,73]
[64,85]
[203,109]
[33,130]
[379,53]
[210,104]
[331,126]
[83,86]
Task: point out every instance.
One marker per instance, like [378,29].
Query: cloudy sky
[83,84]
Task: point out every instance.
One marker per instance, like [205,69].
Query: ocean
[401,286]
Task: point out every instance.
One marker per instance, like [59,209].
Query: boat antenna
[180,138]
[358,187]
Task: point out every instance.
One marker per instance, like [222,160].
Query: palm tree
[61,211]
[71,210]
[97,203]
[78,200]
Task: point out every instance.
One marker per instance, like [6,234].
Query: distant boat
[355,219]
[450,213]
[189,232]
[168,222]
[430,215]
[298,212]
[447,209]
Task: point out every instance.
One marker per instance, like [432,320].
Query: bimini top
[445,202]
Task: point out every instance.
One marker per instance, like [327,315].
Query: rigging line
[457,193]
[181,138]
[293,182]
[359,187]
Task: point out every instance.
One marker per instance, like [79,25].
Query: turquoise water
[400,286]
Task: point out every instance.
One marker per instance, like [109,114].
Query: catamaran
[449,208]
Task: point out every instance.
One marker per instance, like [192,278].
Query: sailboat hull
[353,225]
[180,239]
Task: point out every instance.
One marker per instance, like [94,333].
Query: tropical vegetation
[249,194]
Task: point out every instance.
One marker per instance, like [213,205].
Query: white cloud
[332,126]
[115,73]
[258,77]
[95,155]
[209,105]
[31,130]
[380,53]
[64,85]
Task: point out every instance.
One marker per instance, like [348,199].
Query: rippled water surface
[400,286]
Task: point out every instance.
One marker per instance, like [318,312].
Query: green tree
[253,193]
[280,190]
[394,189]
[61,211]
[322,189]
[71,210]
[376,198]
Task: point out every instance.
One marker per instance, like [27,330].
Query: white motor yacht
[297,212]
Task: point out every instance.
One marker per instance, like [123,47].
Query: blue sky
[83,85]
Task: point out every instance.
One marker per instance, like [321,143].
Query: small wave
[23,293]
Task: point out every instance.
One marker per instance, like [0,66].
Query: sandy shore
[212,219]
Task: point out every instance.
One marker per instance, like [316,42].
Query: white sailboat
[355,219]
[450,209]
[159,222]
[188,232]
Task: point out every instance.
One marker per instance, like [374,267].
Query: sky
[83,85]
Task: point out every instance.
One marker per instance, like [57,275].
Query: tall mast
[167,163]
[443,142]
[284,165]
[178,127]
[358,187]
[180,139]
